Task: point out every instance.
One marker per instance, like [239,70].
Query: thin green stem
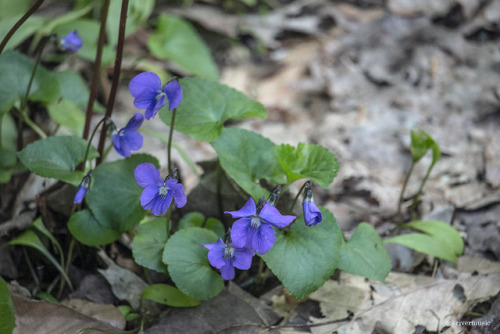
[97,69]
[116,73]
[1,127]
[22,110]
[30,83]
[260,270]
[53,132]
[24,118]
[107,152]
[169,221]
[218,185]
[296,198]
[90,142]
[147,276]
[53,284]
[20,141]
[287,228]
[34,127]
[70,255]
[66,265]
[405,184]
[416,199]
[265,275]
[263,272]
[179,149]
[19,23]
[424,180]
[170,135]
[30,267]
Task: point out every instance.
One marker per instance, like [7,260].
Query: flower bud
[312,215]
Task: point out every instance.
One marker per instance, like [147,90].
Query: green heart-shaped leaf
[308,161]
[177,40]
[197,219]
[306,256]
[149,243]
[188,264]
[168,295]
[439,239]
[15,74]
[365,255]
[114,195]
[206,105]
[248,157]
[86,229]
[57,157]
[7,314]
[421,142]
[67,114]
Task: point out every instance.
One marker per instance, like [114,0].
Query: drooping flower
[82,188]
[158,193]
[148,93]
[128,138]
[227,257]
[71,42]
[312,215]
[254,230]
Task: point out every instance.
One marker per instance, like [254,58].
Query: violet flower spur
[254,230]
[227,257]
[312,215]
[128,138]
[71,42]
[82,188]
[158,193]
[148,93]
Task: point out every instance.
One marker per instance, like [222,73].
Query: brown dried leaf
[403,303]
[125,284]
[103,312]
[42,317]
[232,311]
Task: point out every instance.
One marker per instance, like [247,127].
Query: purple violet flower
[158,193]
[82,188]
[71,42]
[227,257]
[254,230]
[128,138]
[312,215]
[148,94]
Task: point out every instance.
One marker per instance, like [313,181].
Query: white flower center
[161,94]
[163,191]
[228,252]
[255,222]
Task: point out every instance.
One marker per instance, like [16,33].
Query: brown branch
[116,76]
[97,70]
[19,23]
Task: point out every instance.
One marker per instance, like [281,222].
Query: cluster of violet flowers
[253,232]
[148,94]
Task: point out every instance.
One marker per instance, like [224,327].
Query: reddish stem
[97,70]
[19,23]
[116,76]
